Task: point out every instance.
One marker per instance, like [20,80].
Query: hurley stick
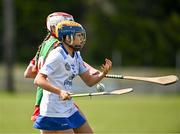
[163,80]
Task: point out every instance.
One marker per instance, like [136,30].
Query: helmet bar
[69,30]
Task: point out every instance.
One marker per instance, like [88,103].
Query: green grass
[128,113]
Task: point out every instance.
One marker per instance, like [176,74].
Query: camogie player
[49,43]
[46,46]
[58,114]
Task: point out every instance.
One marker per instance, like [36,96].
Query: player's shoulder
[59,52]
[47,44]
[55,52]
[52,39]
[78,55]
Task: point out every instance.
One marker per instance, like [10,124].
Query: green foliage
[144,33]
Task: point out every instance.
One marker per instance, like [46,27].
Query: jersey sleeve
[82,67]
[51,63]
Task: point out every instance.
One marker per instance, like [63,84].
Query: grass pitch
[128,113]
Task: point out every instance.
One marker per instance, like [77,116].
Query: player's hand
[64,95]
[106,66]
[34,66]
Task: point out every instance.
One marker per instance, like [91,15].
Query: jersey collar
[66,50]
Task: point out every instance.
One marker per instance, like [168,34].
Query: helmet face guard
[71,30]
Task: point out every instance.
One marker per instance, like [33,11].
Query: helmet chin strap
[75,47]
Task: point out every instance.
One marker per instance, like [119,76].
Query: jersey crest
[67,66]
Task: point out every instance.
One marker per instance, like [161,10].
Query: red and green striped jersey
[46,47]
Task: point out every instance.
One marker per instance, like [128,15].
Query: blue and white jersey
[60,69]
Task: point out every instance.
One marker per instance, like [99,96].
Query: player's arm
[92,70]
[31,70]
[41,80]
[92,79]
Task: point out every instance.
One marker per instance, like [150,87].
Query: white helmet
[56,17]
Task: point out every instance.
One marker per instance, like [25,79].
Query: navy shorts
[59,123]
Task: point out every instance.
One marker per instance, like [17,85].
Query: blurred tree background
[132,33]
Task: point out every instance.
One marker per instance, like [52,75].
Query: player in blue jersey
[58,114]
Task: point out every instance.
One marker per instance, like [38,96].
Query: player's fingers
[108,62]
[108,65]
[69,96]
[65,95]
[104,68]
